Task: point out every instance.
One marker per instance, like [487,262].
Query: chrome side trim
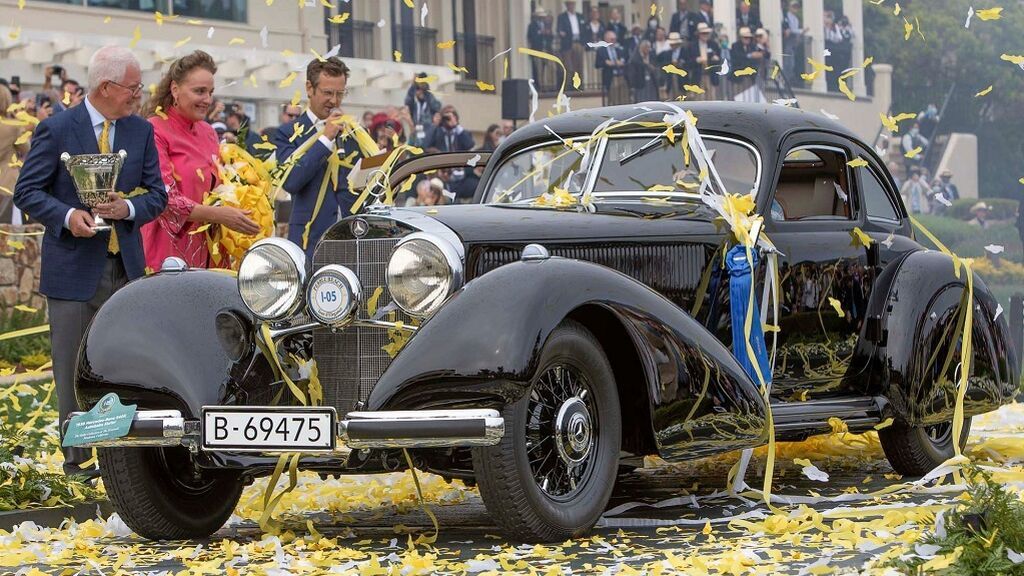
[421,428]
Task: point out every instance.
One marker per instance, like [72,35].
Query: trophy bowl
[95,176]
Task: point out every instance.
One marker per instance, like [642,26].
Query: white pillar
[771,19]
[725,14]
[814,19]
[518,21]
[854,10]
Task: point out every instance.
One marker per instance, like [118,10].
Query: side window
[813,185]
[876,200]
[535,172]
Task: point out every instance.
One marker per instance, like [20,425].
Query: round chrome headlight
[423,272]
[271,278]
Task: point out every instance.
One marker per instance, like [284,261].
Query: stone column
[725,14]
[854,10]
[518,21]
[771,19]
[814,19]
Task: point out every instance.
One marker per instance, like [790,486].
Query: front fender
[918,300]
[487,340]
[154,343]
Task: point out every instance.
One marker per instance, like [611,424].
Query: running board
[812,416]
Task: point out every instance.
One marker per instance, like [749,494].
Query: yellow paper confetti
[896,11]
[409,4]
[1016,59]
[21,4]
[455,68]
[748,71]
[654,8]
[984,92]
[425,79]
[576,80]
[673,69]
[340,18]
[860,238]
[15,33]
[693,88]
[236,41]
[837,306]
[484,86]
[913,153]
[287,80]
[446,44]
[398,56]
[990,13]
[857,163]
[182,42]
[908,29]
[160,112]
[846,90]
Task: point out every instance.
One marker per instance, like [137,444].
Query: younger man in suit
[81,268]
[326,82]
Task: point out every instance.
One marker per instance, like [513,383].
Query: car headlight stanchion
[271,279]
[423,272]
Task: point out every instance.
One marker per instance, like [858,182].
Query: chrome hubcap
[940,433]
[561,431]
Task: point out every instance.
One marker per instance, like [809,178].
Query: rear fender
[484,345]
[154,343]
[918,298]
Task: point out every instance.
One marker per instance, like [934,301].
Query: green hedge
[970,241]
[999,208]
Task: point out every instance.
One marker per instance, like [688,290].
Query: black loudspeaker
[515,99]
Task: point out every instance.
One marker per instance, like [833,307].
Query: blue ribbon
[740,278]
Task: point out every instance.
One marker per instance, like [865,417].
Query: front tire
[157,496]
[917,450]
[552,474]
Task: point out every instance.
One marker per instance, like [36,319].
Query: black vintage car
[538,351]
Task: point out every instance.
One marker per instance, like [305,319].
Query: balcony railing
[417,44]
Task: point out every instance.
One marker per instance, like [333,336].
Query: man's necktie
[104,142]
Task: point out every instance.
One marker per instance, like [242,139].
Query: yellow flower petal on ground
[837,306]
[984,92]
[693,88]
[746,71]
[484,86]
[287,80]
[857,163]
[446,44]
[673,69]
[576,80]
[913,153]
[990,13]
[340,18]
[236,41]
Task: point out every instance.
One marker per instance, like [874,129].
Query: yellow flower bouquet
[244,184]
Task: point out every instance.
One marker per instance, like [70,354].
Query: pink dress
[188,152]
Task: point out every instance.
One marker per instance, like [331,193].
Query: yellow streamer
[25,332]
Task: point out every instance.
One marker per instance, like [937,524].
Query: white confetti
[500,54]
[829,115]
[970,14]
[827,52]
[265,37]
[488,565]
[601,44]
[999,311]
[888,240]
[423,14]
[941,199]
[785,101]
[995,248]
[382,23]
[839,192]
[472,161]
[534,100]
[1015,557]
[724,70]
[331,53]
[814,473]
[926,551]
[209,33]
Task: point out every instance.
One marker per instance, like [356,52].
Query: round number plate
[333,294]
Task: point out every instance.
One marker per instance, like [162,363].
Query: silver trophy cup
[95,176]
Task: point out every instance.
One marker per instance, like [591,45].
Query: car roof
[764,125]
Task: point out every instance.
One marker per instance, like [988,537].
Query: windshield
[626,170]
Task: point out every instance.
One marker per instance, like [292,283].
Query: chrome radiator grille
[350,361]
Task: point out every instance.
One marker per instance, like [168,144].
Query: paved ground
[366,525]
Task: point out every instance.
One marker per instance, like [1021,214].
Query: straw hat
[979,206]
[703,27]
[674,39]
[745,32]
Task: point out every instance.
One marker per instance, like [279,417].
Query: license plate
[258,429]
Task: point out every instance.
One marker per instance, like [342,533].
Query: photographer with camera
[422,106]
[450,135]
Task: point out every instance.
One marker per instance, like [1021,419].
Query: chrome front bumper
[388,429]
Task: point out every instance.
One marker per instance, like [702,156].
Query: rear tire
[552,474]
[153,491]
[917,450]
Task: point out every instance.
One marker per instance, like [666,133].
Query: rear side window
[876,199]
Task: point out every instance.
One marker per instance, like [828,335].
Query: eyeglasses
[291,115]
[339,94]
[134,89]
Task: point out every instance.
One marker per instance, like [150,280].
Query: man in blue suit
[309,179]
[81,268]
